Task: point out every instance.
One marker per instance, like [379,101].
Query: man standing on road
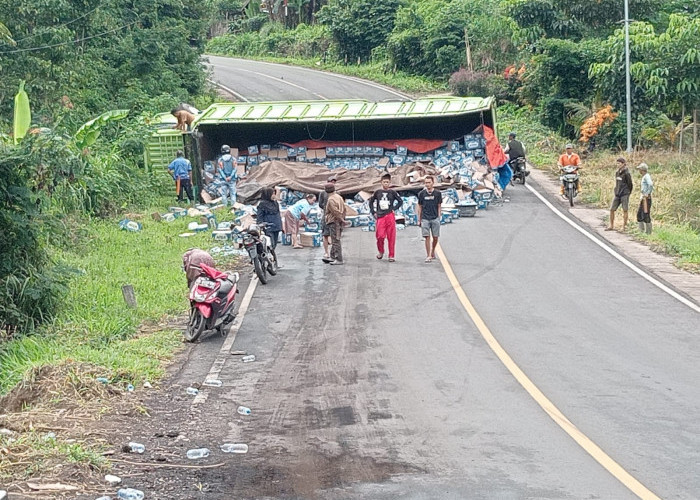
[644,211]
[180,169]
[429,214]
[569,159]
[227,168]
[623,189]
[334,220]
[325,234]
[382,205]
[294,214]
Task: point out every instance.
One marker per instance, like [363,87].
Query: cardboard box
[320,154]
[364,195]
[350,212]
[310,239]
[265,148]
[311,154]
[383,161]
[253,150]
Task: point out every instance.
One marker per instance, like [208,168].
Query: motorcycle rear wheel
[272,262]
[260,269]
[570,196]
[195,326]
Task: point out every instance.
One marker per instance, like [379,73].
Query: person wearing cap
[623,189]
[569,159]
[180,169]
[334,217]
[644,210]
[325,234]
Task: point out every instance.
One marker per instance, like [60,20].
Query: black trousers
[186,186]
[643,216]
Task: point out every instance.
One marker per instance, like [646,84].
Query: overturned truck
[298,145]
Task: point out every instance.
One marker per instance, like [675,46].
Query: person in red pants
[382,205]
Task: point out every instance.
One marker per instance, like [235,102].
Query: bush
[467,83]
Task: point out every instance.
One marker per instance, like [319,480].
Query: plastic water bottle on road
[137,447]
[130,494]
[234,448]
[112,480]
[243,410]
[198,453]
[192,391]
[213,383]
[248,358]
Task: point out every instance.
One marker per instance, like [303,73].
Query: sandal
[428,259]
[391,259]
[380,256]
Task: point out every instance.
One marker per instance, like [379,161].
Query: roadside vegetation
[555,68]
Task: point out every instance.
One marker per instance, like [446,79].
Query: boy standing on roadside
[623,189]
[382,205]
[429,214]
[644,211]
[335,220]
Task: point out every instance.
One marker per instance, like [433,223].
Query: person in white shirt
[644,211]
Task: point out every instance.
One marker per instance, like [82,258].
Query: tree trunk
[470,67]
[680,142]
[695,131]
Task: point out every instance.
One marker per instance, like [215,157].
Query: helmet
[254,230]
[225,149]
[512,134]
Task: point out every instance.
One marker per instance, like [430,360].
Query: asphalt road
[373,382]
[262,81]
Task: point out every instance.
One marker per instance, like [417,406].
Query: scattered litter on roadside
[6,432]
[234,448]
[248,358]
[136,447]
[198,453]
[192,391]
[238,353]
[130,225]
[186,235]
[244,410]
[102,380]
[104,498]
[130,388]
[113,480]
[3,494]
[213,383]
[147,385]
[50,436]
[130,494]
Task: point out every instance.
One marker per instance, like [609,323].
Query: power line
[59,26]
[32,49]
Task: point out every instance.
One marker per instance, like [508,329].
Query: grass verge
[95,325]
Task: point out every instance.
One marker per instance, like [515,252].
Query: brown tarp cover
[310,178]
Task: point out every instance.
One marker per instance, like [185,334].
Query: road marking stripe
[224,352]
[280,80]
[612,252]
[230,91]
[599,455]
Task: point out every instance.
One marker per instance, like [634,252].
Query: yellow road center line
[584,441]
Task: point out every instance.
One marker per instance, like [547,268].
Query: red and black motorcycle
[212,301]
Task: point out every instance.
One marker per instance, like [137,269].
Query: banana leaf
[23,115]
[90,131]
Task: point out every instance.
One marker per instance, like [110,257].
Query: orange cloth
[566,160]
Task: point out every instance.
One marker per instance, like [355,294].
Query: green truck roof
[356,109]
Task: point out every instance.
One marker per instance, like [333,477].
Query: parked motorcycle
[212,299]
[260,251]
[519,168]
[569,180]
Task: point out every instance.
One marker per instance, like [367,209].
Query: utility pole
[628,85]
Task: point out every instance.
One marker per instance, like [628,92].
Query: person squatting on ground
[269,213]
[382,205]
[429,214]
[228,173]
[325,233]
[569,159]
[180,169]
[293,216]
[335,220]
[644,210]
[623,189]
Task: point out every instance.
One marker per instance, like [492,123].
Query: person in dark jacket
[269,212]
[623,189]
